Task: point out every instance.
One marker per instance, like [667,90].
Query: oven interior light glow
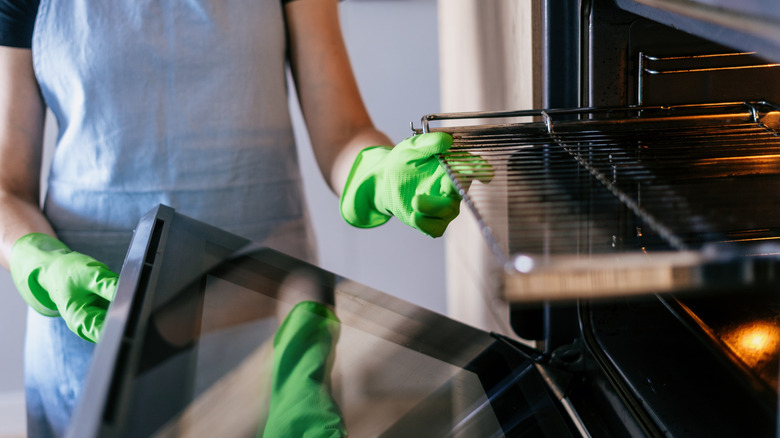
[754,342]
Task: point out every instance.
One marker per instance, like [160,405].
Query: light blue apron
[176,102]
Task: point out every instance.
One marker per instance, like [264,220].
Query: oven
[637,248]
[634,220]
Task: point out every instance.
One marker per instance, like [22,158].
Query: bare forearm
[339,125]
[22,114]
[19,218]
[342,163]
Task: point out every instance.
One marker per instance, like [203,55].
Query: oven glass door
[193,347]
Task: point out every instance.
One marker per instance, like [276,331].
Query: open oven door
[188,350]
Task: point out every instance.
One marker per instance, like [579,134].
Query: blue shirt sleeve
[17,19]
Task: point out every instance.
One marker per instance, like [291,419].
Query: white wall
[12,315]
[393,45]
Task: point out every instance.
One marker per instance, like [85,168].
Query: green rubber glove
[406,181]
[54,280]
[301,400]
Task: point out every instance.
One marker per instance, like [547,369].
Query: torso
[167,102]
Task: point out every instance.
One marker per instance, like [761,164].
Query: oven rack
[606,201]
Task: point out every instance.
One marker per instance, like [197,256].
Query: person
[184,104]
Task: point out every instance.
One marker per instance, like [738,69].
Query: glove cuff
[357,204]
[27,259]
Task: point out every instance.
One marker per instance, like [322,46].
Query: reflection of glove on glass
[406,181]
[57,281]
[301,400]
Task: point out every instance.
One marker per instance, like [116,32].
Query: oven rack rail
[614,201]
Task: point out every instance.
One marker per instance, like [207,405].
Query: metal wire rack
[621,200]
